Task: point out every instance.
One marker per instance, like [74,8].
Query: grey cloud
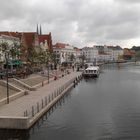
[78,22]
[129,1]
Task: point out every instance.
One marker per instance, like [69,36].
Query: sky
[77,22]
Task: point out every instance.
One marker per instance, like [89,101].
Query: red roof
[14,34]
[60,45]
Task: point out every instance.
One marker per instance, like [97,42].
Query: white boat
[92,71]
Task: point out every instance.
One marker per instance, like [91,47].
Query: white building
[90,53]
[64,53]
[114,52]
[78,55]
[108,53]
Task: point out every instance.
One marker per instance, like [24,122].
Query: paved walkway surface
[32,80]
[3,92]
[17,107]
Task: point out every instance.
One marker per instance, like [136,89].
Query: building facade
[91,54]
[64,53]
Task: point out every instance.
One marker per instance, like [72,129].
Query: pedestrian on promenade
[73,67]
[55,77]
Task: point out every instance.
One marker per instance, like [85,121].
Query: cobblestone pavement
[20,105]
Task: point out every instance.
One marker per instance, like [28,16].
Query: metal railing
[47,100]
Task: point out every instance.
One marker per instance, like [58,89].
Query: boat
[92,71]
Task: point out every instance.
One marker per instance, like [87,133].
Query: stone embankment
[23,112]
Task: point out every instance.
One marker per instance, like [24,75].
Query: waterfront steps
[23,112]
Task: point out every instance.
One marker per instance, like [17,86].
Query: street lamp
[7,58]
[48,72]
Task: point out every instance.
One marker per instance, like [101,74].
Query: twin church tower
[39,30]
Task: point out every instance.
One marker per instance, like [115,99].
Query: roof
[114,47]
[14,34]
[60,45]
[93,68]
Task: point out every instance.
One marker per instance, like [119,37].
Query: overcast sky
[77,22]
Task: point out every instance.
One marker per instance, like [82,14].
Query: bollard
[26,113]
[26,92]
[42,83]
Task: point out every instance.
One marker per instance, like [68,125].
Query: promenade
[23,112]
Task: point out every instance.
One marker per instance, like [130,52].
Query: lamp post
[7,57]
[48,72]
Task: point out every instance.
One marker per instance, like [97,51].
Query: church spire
[37,30]
[40,30]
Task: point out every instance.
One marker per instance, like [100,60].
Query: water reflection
[9,134]
[14,135]
[94,80]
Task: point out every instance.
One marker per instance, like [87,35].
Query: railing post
[32,111]
[42,103]
[45,100]
[49,99]
[52,95]
[37,107]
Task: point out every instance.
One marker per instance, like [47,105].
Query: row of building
[97,53]
[24,41]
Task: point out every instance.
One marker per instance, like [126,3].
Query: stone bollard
[26,92]
[42,83]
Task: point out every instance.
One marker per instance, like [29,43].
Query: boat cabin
[91,71]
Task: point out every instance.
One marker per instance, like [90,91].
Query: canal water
[105,108]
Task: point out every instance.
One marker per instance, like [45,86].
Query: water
[106,108]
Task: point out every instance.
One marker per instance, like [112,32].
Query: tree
[32,55]
[4,46]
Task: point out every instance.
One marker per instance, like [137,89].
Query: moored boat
[92,71]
